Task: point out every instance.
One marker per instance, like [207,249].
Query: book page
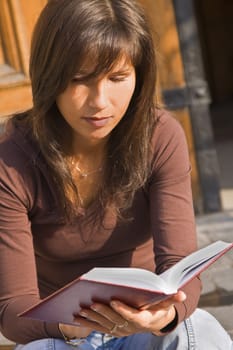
[193,264]
[131,277]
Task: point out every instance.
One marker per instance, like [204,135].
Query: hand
[74,331]
[122,320]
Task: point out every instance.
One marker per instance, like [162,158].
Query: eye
[79,80]
[118,78]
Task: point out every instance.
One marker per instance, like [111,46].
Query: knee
[207,332]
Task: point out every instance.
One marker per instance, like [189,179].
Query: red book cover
[62,305]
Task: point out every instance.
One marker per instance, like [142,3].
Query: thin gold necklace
[86,174]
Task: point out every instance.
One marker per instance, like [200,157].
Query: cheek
[124,93]
[125,96]
[66,109]
[130,88]
[60,102]
[67,103]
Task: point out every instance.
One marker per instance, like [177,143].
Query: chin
[100,135]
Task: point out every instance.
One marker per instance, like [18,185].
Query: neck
[82,149]
[88,158]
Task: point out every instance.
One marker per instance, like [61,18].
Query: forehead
[90,65]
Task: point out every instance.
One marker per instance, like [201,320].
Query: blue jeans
[199,332]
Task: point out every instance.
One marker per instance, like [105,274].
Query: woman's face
[94,106]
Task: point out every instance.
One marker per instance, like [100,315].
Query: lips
[97,122]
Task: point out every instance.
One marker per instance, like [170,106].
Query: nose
[98,95]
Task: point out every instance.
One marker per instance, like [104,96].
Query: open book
[136,287]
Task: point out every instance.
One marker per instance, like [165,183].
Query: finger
[120,307]
[181,296]
[120,326]
[118,330]
[166,304]
[94,316]
[177,298]
[146,318]
[87,323]
[104,316]
[127,312]
[108,313]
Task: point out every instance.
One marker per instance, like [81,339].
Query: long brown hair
[67,32]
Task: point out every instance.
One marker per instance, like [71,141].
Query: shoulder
[167,126]
[169,145]
[16,144]
[16,161]
[10,150]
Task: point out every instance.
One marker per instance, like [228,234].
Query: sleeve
[171,205]
[18,287]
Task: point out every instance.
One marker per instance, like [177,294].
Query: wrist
[172,324]
[65,331]
[70,340]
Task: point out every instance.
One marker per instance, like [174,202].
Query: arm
[18,288]
[171,206]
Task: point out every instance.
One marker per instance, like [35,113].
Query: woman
[95,175]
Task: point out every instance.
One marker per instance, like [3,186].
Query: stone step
[224,315]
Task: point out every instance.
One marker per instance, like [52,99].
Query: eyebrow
[120,71]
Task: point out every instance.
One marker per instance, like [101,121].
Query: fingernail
[114,304]
[94,308]
[82,313]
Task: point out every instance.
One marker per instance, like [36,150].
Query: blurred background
[195,45]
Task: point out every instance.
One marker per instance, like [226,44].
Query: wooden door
[216,28]
[17,19]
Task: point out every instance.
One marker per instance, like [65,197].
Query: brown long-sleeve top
[40,252]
